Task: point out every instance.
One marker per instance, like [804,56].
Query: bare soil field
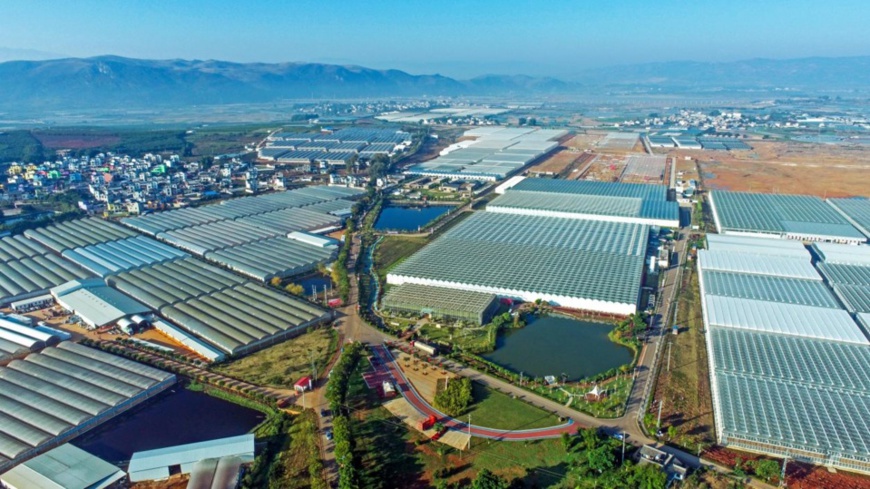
[558,162]
[605,167]
[584,141]
[786,167]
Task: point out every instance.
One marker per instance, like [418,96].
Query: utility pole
[659,420]
[669,355]
[521,378]
[469,432]
[623,447]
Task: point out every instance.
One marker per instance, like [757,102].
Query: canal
[554,345]
[396,218]
[176,417]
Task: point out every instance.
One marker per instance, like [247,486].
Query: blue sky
[455,38]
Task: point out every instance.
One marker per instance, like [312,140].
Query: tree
[295,289]
[767,469]
[455,398]
[275,282]
[647,476]
[672,432]
[487,480]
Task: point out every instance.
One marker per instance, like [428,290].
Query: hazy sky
[456,38]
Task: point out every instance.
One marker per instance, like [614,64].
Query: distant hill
[810,74]
[111,82]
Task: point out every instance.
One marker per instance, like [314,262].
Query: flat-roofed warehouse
[856,211]
[61,392]
[798,217]
[790,369]
[441,302]
[580,264]
[587,200]
[99,305]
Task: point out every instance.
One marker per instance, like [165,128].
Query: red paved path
[386,365]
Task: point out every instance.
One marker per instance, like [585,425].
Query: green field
[392,250]
[494,409]
[283,364]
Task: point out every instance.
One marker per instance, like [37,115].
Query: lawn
[494,409]
[283,364]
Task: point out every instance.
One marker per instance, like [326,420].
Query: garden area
[281,365]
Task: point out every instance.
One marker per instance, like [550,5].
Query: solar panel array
[790,368]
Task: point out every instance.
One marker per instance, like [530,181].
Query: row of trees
[336,394]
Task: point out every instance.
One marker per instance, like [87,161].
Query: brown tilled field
[558,162]
[787,167]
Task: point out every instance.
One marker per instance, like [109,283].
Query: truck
[428,349]
[427,423]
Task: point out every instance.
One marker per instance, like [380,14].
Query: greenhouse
[172,282]
[591,207]
[749,262]
[790,368]
[842,254]
[587,187]
[78,233]
[799,217]
[159,222]
[126,254]
[18,247]
[856,298]
[440,302]
[210,237]
[275,257]
[845,274]
[768,288]
[30,277]
[780,318]
[756,246]
[289,220]
[588,265]
[856,211]
[244,318]
[55,395]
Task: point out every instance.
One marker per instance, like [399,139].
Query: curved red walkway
[387,366]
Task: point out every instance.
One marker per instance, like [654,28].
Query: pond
[176,417]
[311,282]
[395,218]
[555,345]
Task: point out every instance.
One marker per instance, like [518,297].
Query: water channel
[555,345]
[175,417]
[396,218]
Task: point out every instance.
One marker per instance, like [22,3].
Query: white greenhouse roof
[65,467]
[126,254]
[147,462]
[757,246]
[741,262]
[780,318]
[98,304]
[842,253]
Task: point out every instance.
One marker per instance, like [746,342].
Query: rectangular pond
[176,417]
[554,345]
[396,218]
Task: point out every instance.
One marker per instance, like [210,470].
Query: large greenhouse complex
[790,368]
[598,201]
[55,395]
[440,302]
[797,217]
[580,264]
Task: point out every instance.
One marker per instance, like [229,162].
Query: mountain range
[112,82]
